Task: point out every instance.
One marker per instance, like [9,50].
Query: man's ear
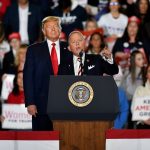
[69,48]
[43,31]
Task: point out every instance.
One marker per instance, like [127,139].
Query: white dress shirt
[57,47]
[77,63]
[23,24]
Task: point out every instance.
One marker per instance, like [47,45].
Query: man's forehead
[76,35]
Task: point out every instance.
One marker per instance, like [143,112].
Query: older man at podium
[78,63]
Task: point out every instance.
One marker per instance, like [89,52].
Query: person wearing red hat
[9,66]
[132,40]
[123,50]
[134,19]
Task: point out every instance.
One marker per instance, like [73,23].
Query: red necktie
[54,59]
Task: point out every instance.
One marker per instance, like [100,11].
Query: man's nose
[77,43]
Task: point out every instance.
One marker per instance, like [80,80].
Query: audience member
[133,78]
[96,43]
[4,46]
[113,23]
[71,18]
[130,42]
[89,28]
[121,119]
[142,10]
[20,57]
[9,66]
[90,25]
[25,18]
[17,94]
[141,92]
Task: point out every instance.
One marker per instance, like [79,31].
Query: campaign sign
[141,108]
[16,117]
[7,85]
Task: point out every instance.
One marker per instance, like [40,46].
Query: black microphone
[81,53]
[103,45]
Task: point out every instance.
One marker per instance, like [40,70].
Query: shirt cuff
[109,60]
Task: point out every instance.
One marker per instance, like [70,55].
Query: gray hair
[74,32]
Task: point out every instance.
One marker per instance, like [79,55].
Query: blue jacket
[124,107]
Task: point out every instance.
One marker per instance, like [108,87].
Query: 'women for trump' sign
[16,117]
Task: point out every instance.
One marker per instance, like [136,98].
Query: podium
[82,109]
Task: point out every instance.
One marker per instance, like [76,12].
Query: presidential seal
[80,94]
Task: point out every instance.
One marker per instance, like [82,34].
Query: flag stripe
[29,135]
[127,134]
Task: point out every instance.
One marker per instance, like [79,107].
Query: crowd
[114,29]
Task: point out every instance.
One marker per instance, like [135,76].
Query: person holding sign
[140,106]
[17,94]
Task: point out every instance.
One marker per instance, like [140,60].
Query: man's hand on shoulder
[32,110]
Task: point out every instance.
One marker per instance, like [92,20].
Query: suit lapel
[16,18]
[47,56]
[86,62]
[70,65]
[30,18]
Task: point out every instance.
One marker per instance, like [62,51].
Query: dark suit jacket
[9,63]
[93,65]
[37,71]
[11,21]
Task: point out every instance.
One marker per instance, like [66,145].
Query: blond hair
[23,48]
[51,18]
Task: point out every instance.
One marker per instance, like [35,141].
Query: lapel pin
[88,60]
[29,13]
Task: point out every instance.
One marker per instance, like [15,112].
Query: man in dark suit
[42,60]
[25,18]
[91,64]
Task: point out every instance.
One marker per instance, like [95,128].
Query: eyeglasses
[76,42]
[113,3]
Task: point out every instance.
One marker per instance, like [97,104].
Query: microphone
[81,53]
[103,45]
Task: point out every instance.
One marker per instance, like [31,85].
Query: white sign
[141,108]
[16,117]
[7,85]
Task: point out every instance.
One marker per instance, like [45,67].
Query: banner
[31,140]
[16,117]
[7,85]
[127,139]
[141,108]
